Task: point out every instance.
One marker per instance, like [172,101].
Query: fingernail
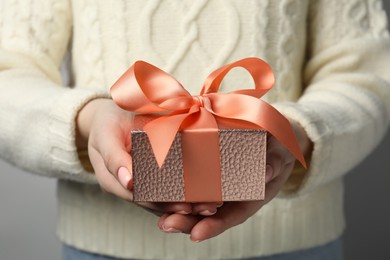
[219,205]
[170,230]
[269,172]
[195,241]
[125,177]
[183,212]
[207,213]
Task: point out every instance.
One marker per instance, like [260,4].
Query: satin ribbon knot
[198,100]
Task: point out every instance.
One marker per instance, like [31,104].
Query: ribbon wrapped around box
[205,148]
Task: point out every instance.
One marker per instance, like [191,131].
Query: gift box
[205,148]
[242,168]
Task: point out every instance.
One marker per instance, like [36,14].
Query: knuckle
[219,224]
[289,164]
[110,163]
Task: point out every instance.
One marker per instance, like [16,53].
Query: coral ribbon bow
[146,89]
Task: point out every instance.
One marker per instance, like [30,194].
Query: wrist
[304,141]
[84,121]
[299,172]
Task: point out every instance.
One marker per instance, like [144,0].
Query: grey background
[28,210]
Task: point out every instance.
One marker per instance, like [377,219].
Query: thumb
[125,178]
[117,158]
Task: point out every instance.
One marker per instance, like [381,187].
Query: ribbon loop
[260,71]
[144,87]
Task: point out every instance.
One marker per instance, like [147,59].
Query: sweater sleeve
[37,113]
[345,107]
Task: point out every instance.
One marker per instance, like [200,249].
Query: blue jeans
[330,251]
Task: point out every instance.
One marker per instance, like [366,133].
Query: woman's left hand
[278,169]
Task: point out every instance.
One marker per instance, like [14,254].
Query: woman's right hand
[105,129]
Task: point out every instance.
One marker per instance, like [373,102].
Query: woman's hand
[105,128]
[278,169]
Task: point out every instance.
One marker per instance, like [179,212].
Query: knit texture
[330,58]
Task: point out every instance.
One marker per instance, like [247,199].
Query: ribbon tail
[260,113]
[286,136]
[162,132]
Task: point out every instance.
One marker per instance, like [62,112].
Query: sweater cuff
[318,133]
[65,158]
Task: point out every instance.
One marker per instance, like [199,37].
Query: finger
[269,173]
[157,213]
[205,209]
[273,167]
[273,187]
[168,207]
[231,214]
[106,180]
[277,158]
[125,178]
[177,223]
[161,220]
[116,156]
[235,213]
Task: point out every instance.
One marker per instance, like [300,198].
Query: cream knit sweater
[332,63]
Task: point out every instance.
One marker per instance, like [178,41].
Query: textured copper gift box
[242,153]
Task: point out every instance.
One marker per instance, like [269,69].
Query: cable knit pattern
[34,39]
[189,13]
[92,45]
[189,28]
[260,27]
[25,23]
[354,18]
[260,24]
[330,58]
[115,63]
[287,47]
